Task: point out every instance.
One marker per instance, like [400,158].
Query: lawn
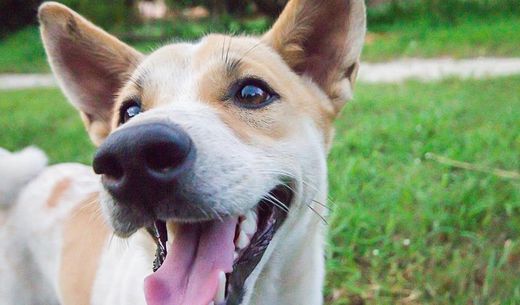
[498,36]
[404,229]
[471,37]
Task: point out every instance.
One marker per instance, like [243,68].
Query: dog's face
[220,142]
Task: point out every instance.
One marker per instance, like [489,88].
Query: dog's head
[218,142]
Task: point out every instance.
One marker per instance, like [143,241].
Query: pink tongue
[190,273]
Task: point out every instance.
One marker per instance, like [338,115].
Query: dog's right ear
[322,40]
[90,64]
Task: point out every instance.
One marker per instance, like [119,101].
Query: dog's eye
[129,110]
[253,93]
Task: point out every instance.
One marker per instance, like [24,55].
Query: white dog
[212,159]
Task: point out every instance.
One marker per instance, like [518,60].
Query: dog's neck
[295,273]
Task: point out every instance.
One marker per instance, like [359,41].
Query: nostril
[108,165]
[164,157]
[114,170]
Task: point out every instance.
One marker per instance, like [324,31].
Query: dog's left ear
[322,39]
[91,65]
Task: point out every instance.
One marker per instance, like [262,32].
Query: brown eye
[129,110]
[253,93]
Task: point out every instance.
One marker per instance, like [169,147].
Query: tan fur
[57,192]
[299,97]
[85,234]
[323,41]
[64,29]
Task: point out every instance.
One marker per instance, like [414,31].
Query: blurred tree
[233,7]
[270,7]
[236,7]
[106,13]
[15,14]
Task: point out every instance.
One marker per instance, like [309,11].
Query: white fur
[31,238]
[16,169]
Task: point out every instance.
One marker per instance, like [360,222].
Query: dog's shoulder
[56,228]
[56,191]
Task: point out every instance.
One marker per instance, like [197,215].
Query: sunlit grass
[403,229]
[499,36]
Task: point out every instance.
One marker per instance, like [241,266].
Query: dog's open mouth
[209,262]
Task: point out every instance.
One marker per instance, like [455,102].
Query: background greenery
[419,28]
[404,228]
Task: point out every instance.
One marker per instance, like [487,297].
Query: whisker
[111,239]
[249,50]
[329,199]
[214,212]
[310,207]
[228,50]
[322,204]
[318,214]
[223,48]
[276,202]
[203,211]
[289,175]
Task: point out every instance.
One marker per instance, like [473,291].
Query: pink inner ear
[91,78]
[325,46]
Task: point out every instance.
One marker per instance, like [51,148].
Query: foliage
[439,12]
[472,37]
[16,14]
[23,52]
[234,7]
[119,13]
[396,29]
[403,229]
[112,13]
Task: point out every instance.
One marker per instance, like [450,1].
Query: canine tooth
[235,256]
[221,290]
[243,240]
[252,215]
[249,225]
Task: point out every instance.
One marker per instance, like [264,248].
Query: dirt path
[25,81]
[435,69]
[387,72]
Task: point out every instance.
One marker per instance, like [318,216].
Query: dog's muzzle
[141,164]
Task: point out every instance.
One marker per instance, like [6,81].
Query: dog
[210,181]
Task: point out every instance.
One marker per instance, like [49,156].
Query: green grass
[463,227]
[23,52]
[471,37]
[45,119]
[458,222]
[497,36]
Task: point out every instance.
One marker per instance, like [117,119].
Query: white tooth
[243,240]
[252,215]
[212,303]
[249,224]
[221,291]
[235,256]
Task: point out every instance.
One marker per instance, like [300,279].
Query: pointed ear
[322,39]
[91,65]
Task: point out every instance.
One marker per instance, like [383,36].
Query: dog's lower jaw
[295,271]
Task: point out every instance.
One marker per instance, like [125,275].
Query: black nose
[142,163]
